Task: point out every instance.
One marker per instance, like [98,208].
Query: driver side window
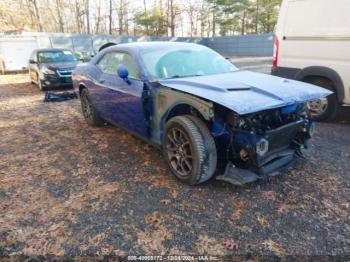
[110,61]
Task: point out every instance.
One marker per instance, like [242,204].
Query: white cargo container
[15,52]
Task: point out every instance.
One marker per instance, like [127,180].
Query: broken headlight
[262,147]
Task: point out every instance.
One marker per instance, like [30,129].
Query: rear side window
[110,61]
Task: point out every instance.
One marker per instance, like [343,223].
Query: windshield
[185,61]
[56,56]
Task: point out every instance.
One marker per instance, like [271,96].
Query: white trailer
[15,52]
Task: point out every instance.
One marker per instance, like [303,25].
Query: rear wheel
[88,109]
[40,85]
[325,108]
[189,149]
[31,78]
[2,67]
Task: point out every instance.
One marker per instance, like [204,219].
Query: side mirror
[123,73]
[31,61]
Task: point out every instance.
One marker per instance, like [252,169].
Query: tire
[187,137]
[2,67]
[40,85]
[31,79]
[88,109]
[328,111]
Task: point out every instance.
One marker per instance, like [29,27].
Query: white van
[312,44]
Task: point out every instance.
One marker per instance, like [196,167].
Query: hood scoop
[243,88]
[246,92]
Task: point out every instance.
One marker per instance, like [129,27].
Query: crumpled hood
[247,92]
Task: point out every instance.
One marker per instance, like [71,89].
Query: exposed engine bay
[262,143]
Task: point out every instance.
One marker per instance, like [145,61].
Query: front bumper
[54,81]
[240,176]
[285,144]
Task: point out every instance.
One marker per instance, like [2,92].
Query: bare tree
[120,12]
[98,17]
[87,14]
[171,15]
[59,15]
[110,17]
[158,17]
[34,4]
[77,16]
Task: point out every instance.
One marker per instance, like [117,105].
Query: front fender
[167,100]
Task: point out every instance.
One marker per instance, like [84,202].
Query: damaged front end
[262,144]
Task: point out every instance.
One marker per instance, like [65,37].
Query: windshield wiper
[174,76]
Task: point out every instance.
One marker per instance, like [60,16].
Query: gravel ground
[70,189]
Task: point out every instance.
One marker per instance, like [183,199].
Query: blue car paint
[218,128]
[247,92]
[121,103]
[244,139]
[290,109]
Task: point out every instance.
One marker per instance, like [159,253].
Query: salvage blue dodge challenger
[206,115]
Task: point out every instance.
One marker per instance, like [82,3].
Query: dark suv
[52,68]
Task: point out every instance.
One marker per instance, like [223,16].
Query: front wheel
[88,109]
[189,149]
[40,85]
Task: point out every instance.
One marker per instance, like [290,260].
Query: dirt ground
[70,189]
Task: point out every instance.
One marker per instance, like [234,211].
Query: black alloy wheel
[88,109]
[189,149]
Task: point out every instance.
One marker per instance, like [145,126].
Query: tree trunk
[257,17]
[126,21]
[191,11]
[120,17]
[268,27]
[32,15]
[98,16]
[59,15]
[37,15]
[77,16]
[214,19]
[202,17]
[243,22]
[87,7]
[145,11]
[172,18]
[110,17]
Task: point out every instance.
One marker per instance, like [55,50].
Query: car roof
[153,45]
[51,49]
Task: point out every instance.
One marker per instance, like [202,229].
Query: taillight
[276,47]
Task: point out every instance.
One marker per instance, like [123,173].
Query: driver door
[122,101]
